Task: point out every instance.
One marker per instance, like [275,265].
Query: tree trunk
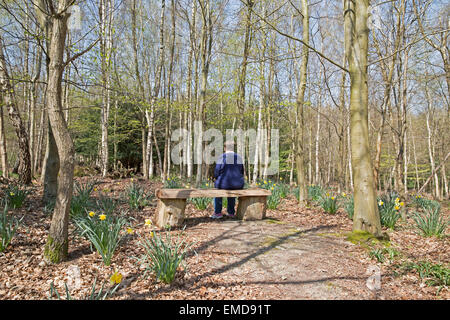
[3,153]
[205,61]
[299,148]
[366,216]
[9,99]
[105,13]
[56,248]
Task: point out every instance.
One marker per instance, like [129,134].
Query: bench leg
[170,212]
[251,208]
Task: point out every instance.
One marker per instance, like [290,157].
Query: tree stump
[251,208]
[170,212]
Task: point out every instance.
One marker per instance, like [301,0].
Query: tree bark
[56,248]
[299,148]
[366,216]
[9,99]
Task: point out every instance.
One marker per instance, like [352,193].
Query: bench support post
[170,212]
[251,208]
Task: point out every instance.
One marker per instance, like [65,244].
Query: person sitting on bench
[229,175]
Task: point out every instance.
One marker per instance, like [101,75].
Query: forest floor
[292,254]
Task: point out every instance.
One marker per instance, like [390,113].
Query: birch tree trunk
[3,153]
[105,13]
[150,115]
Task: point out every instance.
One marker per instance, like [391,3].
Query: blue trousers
[230,205]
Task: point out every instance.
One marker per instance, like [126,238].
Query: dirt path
[283,261]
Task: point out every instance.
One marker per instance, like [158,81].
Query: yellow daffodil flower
[152,234]
[402,204]
[116,278]
[332,198]
[397,207]
[91,214]
[380,203]
[397,200]
[102,216]
[148,222]
[130,231]
[344,194]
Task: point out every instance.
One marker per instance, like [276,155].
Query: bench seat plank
[210,193]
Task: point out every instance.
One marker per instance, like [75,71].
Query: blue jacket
[229,172]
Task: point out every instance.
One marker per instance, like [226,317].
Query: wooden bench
[172,202]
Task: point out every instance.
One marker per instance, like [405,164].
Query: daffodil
[344,194]
[397,207]
[95,189]
[152,234]
[91,214]
[397,200]
[102,216]
[265,182]
[328,194]
[402,204]
[148,222]
[116,278]
[130,231]
[380,203]
[332,198]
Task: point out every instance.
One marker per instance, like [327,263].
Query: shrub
[103,232]
[273,200]
[8,228]
[315,193]
[349,207]
[296,193]
[206,185]
[277,194]
[136,197]
[201,203]
[422,203]
[431,222]
[283,190]
[81,201]
[379,254]
[163,256]
[15,196]
[389,206]
[329,203]
[172,183]
[100,295]
[433,274]
[106,204]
